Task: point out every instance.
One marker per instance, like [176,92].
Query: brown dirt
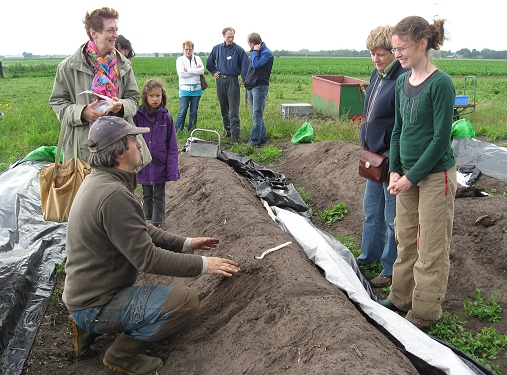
[280,316]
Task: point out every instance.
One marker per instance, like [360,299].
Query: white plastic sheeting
[339,272]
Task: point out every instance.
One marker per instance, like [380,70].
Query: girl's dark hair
[124,43]
[95,19]
[416,28]
[149,85]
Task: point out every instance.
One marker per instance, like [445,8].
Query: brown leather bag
[373,166]
[204,84]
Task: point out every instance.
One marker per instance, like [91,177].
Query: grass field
[29,122]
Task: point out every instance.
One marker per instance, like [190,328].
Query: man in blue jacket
[226,62]
[257,85]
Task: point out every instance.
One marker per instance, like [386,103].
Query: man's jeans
[257,99]
[185,101]
[378,242]
[154,203]
[135,310]
[229,98]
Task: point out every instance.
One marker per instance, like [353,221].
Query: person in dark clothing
[257,86]
[378,241]
[124,46]
[108,244]
[226,62]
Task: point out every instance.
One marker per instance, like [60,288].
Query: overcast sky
[55,26]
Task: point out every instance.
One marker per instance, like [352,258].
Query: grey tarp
[489,158]
[30,249]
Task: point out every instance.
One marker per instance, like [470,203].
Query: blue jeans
[257,99]
[185,102]
[229,98]
[154,203]
[378,242]
[140,311]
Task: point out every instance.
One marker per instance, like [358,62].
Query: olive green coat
[74,76]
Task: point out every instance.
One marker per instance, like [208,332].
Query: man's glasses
[112,31]
[401,49]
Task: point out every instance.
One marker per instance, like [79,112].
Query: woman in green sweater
[422,173]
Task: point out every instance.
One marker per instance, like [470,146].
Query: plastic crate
[296,109]
[461,100]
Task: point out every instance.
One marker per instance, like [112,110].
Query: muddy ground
[279,315]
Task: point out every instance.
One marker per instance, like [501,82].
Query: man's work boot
[81,340]
[124,355]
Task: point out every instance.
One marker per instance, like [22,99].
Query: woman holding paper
[95,66]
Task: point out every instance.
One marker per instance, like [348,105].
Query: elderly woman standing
[94,66]
[378,242]
[189,67]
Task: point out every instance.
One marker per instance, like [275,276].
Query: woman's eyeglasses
[112,31]
[401,49]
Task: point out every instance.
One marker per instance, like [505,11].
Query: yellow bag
[59,184]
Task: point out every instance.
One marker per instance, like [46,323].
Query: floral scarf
[105,69]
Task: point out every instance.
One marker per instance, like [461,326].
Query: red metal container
[337,96]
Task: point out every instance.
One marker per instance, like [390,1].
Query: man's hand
[222,266]
[203,243]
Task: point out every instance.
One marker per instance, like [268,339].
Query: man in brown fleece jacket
[108,243]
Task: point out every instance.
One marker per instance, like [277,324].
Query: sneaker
[380,281]
[81,340]
[234,140]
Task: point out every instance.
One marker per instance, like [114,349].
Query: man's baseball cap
[107,130]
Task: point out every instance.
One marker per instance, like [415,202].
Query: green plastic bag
[304,134]
[462,128]
[43,153]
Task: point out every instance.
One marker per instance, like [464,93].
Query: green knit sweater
[421,138]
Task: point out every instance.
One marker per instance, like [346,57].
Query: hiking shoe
[81,340]
[234,140]
[380,281]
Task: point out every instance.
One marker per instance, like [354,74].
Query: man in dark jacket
[109,243]
[226,62]
[257,85]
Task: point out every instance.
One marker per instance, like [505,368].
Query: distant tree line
[463,53]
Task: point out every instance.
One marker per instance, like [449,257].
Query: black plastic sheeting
[268,185]
[30,249]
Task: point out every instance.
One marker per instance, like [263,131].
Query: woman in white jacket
[189,67]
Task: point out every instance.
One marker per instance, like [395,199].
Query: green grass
[29,122]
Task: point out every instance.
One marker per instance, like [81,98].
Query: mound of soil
[280,315]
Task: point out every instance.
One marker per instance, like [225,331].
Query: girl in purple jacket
[163,146]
